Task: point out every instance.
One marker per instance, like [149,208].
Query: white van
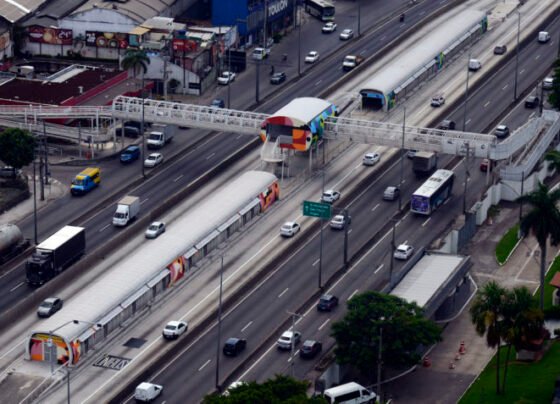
[474,64]
[147,392]
[351,393]
[544,37]
[260,53]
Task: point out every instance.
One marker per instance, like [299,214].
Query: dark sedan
[278,78]
[310,349]
[327,303]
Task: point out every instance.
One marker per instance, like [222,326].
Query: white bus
[322,9]
[349,393]
[432,193]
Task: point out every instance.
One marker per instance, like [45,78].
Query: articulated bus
[432,193]
[322,9]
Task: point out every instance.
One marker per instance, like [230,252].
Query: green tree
[136,59]
[279,390]
[554,96]
[16,147]
[488,317]
[553,157]
[404,328]
[544,222]
[523,322]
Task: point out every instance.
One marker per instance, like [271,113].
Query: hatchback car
[339,222]
[403,252]
[548,83]
[370,159]
[391,193]
[49,306]
[330,196]
[346,34]
[500,50]
[287,339]
[328,28]
[289,229]
[174,329]
[130,154]
[278,78]
[532,102]
[501,132]
[312,57]
[234,346]
[447,124]
[153,160]
[226,78]
[310,349]
[128,131]
[437,100]
[327,303]
[218,102]
[155,229]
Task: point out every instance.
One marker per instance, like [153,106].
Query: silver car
[338,222]
[155,229]
[287,338]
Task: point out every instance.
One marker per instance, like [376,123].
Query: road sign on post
[316,209]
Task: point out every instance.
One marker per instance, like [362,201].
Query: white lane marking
[178,178]
[238,137]
[422,13]
[506,86]
[349,231]
[363,52]
[144,201]
[247,326]
[378,268]
[17,286]
[403,181]
[324,324]
[383,38]
[426,222]
[352,295]
[375,207]
[319,82]
[487,103]
[210,156]
[521,72]
[405,242]
[467,121]
[537,57]
[204,365]
[316,262]
[104,227]
[282,294]
[295,354]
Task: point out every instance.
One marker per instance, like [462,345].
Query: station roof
[14,10]
[427,277]
[125,278]
[301,111]
[400,68]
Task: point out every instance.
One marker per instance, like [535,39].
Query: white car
[174,329]
[403,252]
[153,160]
[287,338]
[437,100]
[330,196]
[155,229]
[346,34]
[312,57]
[226,78]
[328,28]
[338,222]
[548,83]
[289,229]
[370,159]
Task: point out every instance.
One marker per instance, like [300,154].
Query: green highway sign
[316,209]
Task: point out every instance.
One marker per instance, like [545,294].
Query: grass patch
[526,382]
[506,244]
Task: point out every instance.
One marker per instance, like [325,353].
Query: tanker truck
[11,242]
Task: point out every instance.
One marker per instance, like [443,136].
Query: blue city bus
[433,193]
[322,9]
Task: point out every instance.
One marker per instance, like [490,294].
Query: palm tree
[136,59]
[487,317]
[544,222]
[553,156]
[523,322]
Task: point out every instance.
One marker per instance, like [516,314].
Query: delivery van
[86,181]
[147,392]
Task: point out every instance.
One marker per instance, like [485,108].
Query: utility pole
[218,341]
[391,257]
[142,129]
[35,199]
[467,178]
[347,220]
[380,358]
[466,96]
[292,345]
[402,159]
[517,56]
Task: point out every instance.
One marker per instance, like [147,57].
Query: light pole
[467,175]
[517,56]
[466,96]
[218,341]
[141,129]
[292,345]
[299,45]
[392,256]
[380,357]
[359,18]
[34,202]
[346,227]
[402,159]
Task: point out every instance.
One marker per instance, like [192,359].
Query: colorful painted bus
[322,9]
[433,193]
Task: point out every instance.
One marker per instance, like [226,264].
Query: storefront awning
[139,31]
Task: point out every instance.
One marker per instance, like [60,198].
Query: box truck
[55,254]
[127,210]
[424,163]
[160,135]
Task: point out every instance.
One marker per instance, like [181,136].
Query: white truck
[424,163]
[160,135]
[127,210]
[351,61]
[146,392]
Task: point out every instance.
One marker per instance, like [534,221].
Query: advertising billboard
[107,39]
[53,36]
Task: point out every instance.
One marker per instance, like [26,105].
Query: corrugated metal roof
[51,12]
[129,274]
[426,277]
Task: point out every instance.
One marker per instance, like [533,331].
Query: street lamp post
[467,175]
[517,56]
[219,326]
[142,123]
[34,202]
[380,358]
[466,96]
[346,227]
[292,345]
[402,159]
[392,256]
[299,46]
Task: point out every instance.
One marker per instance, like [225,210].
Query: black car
[49,306]
[278,78]
[532,102]
[500,50]
[447,124]
[234,346]
[218,102]
[310,349]
[327,303]
[129,131]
